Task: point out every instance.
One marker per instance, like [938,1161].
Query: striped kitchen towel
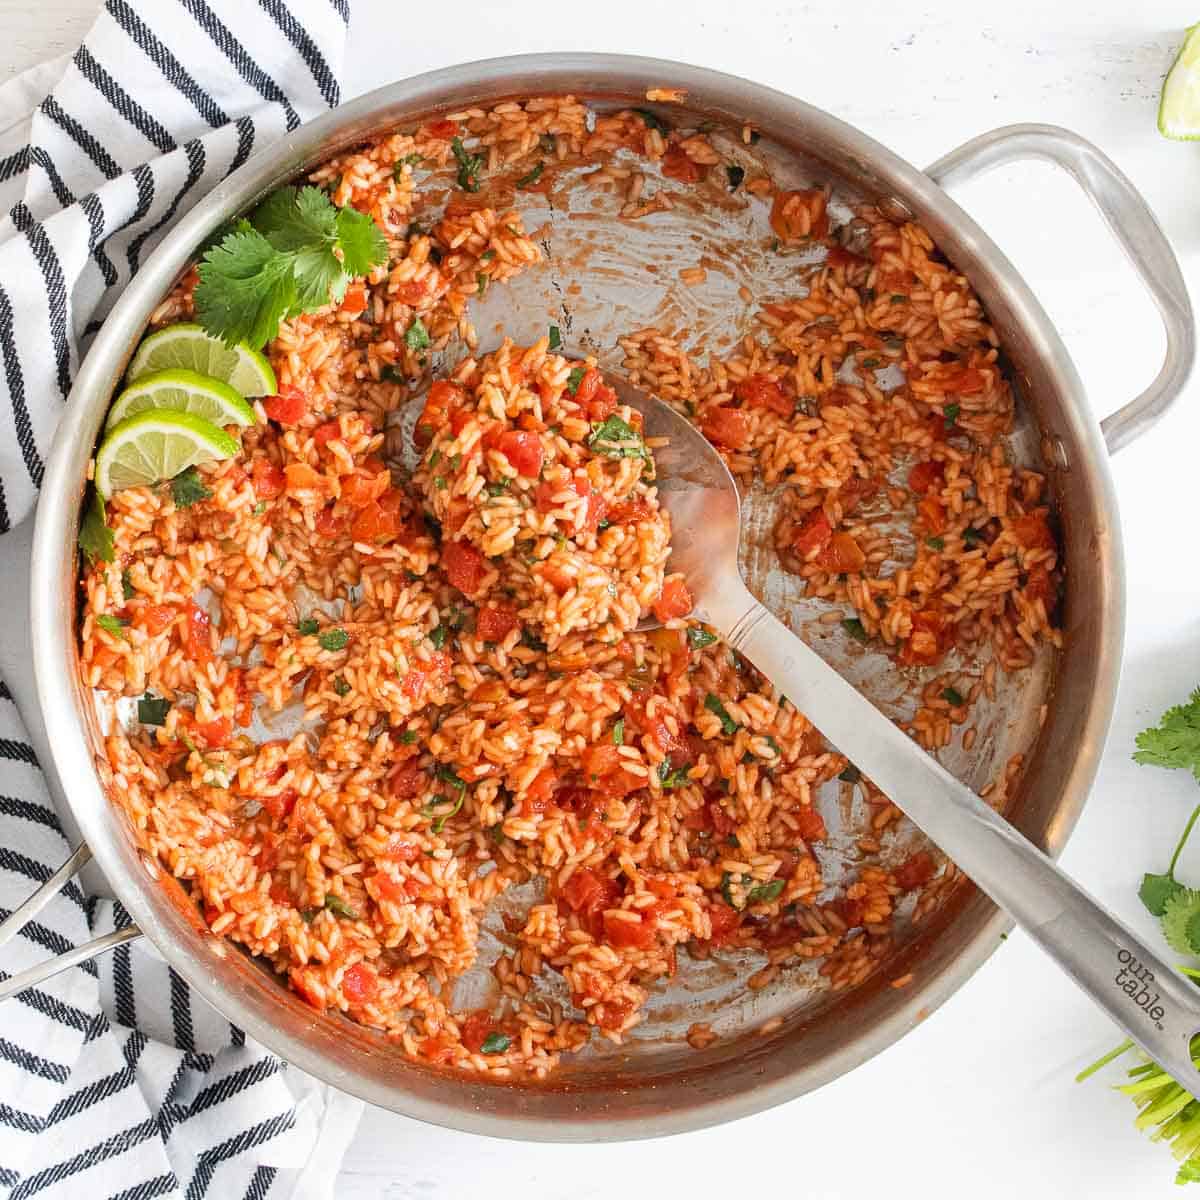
[115,1080]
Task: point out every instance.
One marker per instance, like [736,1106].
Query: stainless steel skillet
[656,1083]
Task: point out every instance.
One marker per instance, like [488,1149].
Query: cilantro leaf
[95,537]
[333,639]
[339,908]
[308,626]
[1175,742]
[495,1043]
[555,338]
[1156,890]
[855,628]
[416,337]
[615,438]
[297,253]
[362,241]
[698,638]
[527,181]
[575,379]
[469,166]
[728,725]
[152,710]
[187,488]
[1181,921]
[113,625]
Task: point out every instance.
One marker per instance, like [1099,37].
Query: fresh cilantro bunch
[1170,1113]
[1174,743]
[296,253]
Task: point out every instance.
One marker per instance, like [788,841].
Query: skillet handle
[13,985]
[1136,230]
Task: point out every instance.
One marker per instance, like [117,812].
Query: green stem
[1103,1062]
[1187,829]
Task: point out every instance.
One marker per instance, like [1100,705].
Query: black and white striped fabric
[115,1081]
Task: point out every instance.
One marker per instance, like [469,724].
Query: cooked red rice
[476,712]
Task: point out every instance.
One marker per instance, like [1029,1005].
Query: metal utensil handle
[19,918]
[1154,1004]
[1136,230]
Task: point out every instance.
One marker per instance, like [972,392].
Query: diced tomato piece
[442,399]
[407,781]
[495,623]
[597,509]
[600,758]
[620,932]
[916,871]
[925,645]
[359,490]
[619,783]
[800,214]
[439,1049]
[813,533]
[302,478]
[588,891]
[968,381]
[932,515]
[464,566]
[288,407]
[854,491]
[728,427]
[215,734]
[596,398]
[433,670]
[475,1030]
[839,256]
[360,984]
[852,911]
[329,522]
[674,601]
[523,450]
[280,806]
[414,292]
[302,986]
[324,434]
[1032,531]
[387,888]
[355,300]
[443,130]
[810,825]
[196,635]
[843,555]
[630,512]
[154,618]
[539,795]
[612,1014]
[761,391]
[721,821]
[557,577]
[269,480]
[379,520]
[677,165]
[926,476]
[725,923]
[402,849]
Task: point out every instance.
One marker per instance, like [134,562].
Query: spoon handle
[1140,991]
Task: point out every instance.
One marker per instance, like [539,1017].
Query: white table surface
[979,1100]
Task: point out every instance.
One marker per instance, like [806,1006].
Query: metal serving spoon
[1141,992]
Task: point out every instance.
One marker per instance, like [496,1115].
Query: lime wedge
[158,445]
[188,346]
[183,391]
[1179,108]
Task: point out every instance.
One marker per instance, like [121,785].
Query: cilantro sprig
[1164,1106]
[296,253]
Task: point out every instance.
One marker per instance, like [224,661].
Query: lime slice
[183,391]
[188,346]
[1179,108]
[158,445]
